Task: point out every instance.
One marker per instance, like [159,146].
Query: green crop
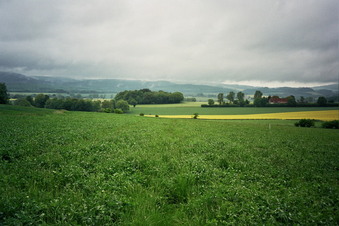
[70,168]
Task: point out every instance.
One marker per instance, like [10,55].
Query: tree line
[146,96]
[69,103]
[74,104]
[238,100]
[234,99]
[119,104]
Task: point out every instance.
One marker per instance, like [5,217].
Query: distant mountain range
[40,84]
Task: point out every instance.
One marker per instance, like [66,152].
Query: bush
[156,116]
[195,115]
[331,124]
[123,105]
[141,114]
[107,110]
[118,111]
[305,123]
[22,102]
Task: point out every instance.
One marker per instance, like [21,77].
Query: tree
[230,96]
[257,94]
[322,101]
[210,102]
[291,101]
[176,97]
[54,103]
[221,98]
[4,97]
[132,102]
[260,102]
[106,104]
[40,100]
[22,102]
[118,111]
[30,100]
[146,96]
[123,105]
[309,99]
[302,100]
[240,96]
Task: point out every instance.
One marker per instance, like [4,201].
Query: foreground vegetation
[62,168]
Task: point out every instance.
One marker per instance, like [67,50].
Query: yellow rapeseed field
[318,115]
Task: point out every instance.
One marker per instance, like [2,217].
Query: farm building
[278,100]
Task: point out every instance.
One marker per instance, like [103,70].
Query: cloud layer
[181,40]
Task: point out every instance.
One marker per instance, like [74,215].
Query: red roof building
[277,100]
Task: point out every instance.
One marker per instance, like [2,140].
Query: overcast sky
[200,41]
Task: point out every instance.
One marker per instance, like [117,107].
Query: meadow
[62,168]
[189,108]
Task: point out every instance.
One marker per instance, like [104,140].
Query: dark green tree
[22,102]
[106,104]
[54,103]
[210,102]
[40,100]
[260,102]
[176,97]
[132,102]
[322,101]
[123,105]
[230,96]
[4,97]
[146,96]
[291,101]
[257,94]
[241,97]
[302,100]
[30,100]
[221,98]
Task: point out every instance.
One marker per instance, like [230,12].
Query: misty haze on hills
[259,43]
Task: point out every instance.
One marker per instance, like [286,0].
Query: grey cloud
[175,40]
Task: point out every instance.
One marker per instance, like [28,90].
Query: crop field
[317,115]
[194,107]
[71,168]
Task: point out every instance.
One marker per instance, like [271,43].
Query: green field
[69,168]
[194,107]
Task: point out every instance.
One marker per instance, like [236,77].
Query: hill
[21,83]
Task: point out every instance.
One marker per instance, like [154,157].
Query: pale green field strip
[190,108]
[318,115]
[184,104]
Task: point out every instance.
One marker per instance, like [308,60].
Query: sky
[269,42]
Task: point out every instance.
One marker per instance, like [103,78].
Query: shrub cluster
[73,104]
[305,123]
[146,96]
[331,124]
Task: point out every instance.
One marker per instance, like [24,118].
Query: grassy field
[194,107]
[73,168]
